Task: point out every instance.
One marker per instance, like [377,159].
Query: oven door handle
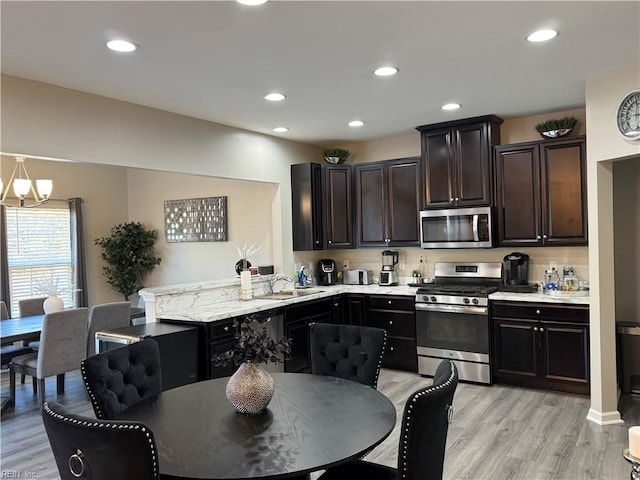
[429,307]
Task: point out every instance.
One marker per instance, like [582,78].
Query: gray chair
[30,307]
[105,317]
[347,351]
[9,351]
[100,450]
[63,346]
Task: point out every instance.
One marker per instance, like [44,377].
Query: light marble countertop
[225,310]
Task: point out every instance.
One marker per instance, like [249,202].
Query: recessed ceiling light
[451,106]
[385,71]
[275,97]
[122,46]
[355,123]
[281,129]
[542,35]
[251,2]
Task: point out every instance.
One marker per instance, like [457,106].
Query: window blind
[39,257]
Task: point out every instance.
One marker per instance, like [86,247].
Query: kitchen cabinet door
[306,207]
[338,204]
[515,348]
[565,353]
[388,203]
[456,159]
[564,213]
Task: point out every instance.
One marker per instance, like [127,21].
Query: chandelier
[22,185]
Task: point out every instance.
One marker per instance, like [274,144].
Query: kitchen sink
[284,294]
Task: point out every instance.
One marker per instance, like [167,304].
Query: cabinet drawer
[308,309]
[221,329]
[397,324]
[392,303]
[400,354]
[539,311]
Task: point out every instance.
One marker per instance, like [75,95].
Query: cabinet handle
[335,304]
[457,199]
[451,200]
[538,237]
[389,302]
[535,329]
[537,312]
[390,322]
[391,349]
[329,242]
[226,329]
[544,236]
[311,323]
[541,329]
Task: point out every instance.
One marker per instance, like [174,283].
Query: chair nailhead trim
[384,346]
[126,426]
[402,461]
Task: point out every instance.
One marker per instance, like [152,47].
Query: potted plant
[556,127]
[250,388]
[335,155]
[130,254]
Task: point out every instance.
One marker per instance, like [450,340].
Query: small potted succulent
[556,127]
[335,155]
[250,388]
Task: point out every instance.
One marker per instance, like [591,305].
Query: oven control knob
[474,301]
[465,300]
[434,299]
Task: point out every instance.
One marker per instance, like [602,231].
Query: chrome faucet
[277,277]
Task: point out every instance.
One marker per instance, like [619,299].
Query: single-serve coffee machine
[515,269]
[388,275]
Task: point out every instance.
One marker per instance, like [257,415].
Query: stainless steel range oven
[452,319]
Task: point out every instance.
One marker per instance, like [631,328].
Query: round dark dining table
[311,423]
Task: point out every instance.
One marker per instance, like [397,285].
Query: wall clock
[628,116]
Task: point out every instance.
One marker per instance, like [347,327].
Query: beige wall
[604,145]
[249,212]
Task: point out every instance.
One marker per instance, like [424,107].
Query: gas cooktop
[457,289]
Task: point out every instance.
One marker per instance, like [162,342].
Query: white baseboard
[604,418]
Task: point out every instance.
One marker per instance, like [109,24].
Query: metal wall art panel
[196,220]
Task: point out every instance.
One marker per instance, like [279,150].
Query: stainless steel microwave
[456,228]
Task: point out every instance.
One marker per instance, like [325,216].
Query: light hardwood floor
[496,433]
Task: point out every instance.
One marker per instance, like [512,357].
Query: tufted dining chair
[119,378]
[106,316]
[92,449]
[423,435]
[347,351]
[63,345]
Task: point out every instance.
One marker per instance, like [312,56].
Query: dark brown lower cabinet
[348,309]
[541,345]
[297,320]
[396,315]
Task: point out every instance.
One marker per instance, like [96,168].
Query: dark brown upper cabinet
[338,206]
[456,161]
[541,195]
[306,206]
[321,206]
[388,202]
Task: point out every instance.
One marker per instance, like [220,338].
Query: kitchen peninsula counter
[214,301]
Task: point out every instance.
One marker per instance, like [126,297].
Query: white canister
[53,304]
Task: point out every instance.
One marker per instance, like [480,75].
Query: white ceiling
[216,60]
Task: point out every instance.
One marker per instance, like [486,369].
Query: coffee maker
[326,272]
[515,269]
[388,275]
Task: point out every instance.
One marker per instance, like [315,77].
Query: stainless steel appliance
[357,277]
[388,275]
[456,228]
[516,268]
[326,272]
[452,318]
